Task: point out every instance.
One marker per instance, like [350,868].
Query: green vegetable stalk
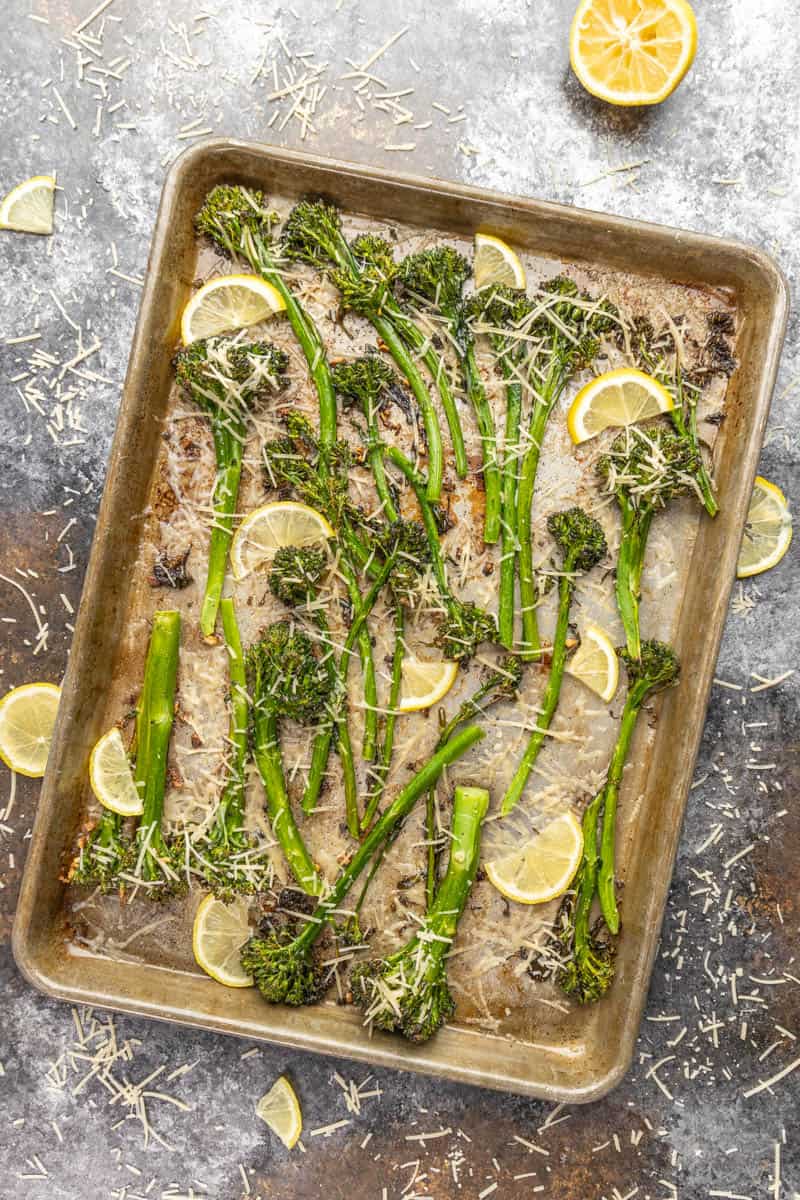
[582,544]
[282,964]
[408,992]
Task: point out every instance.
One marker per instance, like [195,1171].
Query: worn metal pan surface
[585,1055]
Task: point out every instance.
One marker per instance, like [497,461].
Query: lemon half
[632,52]
[27,717]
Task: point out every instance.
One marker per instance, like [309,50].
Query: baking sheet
[507,1032]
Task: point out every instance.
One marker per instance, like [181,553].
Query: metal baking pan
[577,1057]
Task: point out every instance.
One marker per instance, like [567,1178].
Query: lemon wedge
[281,523]
[219,932]
[620,397]
[425,683]
[595,663]
[543,867]
[767,531]
[280,1108]
[496,262]
[28,208]
[27,717]
[632,52]
[229,302]
[111,776]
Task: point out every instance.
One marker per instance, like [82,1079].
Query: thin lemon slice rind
[615,399]
[280,1109]
[267,529]
[111,776]
[27,718]
[218,934]
[227,303]
[543,867]
[424,684]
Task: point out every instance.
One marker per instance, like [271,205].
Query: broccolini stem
[154,716]
[605,878]
[266,750]
[375,458]
[508,518]
[428,519]
[400,807]
[531,643]
[633,544]
[483,417]
[686,404]
[229,820]
[391,718]
[566,586]
[430,849]
[417,340]
[586,880]
[395,344]
[229,448]
[370,741]
[259,254]
[469,808]
[321,747]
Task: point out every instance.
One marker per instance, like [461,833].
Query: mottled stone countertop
[492,103]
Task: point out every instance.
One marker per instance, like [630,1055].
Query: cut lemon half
[111,776]
[425,683]
[543,867]
[27,717]
[227,303]
[219,932]
[496,262]
[280,1108]
[631,52]
[281,523]
[767,531]
[595,663]
[620,397]
[28,208]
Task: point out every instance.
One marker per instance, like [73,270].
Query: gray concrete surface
[722,156]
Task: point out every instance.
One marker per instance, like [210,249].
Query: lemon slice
[27,717]
[280,1108]
[28,207]
[767,530]
[632,51]
[595,663]
[220,930]
[425,683]
[496,262]
[111,776]
[281,523]
[543,867]
[229,302]
[620,397]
